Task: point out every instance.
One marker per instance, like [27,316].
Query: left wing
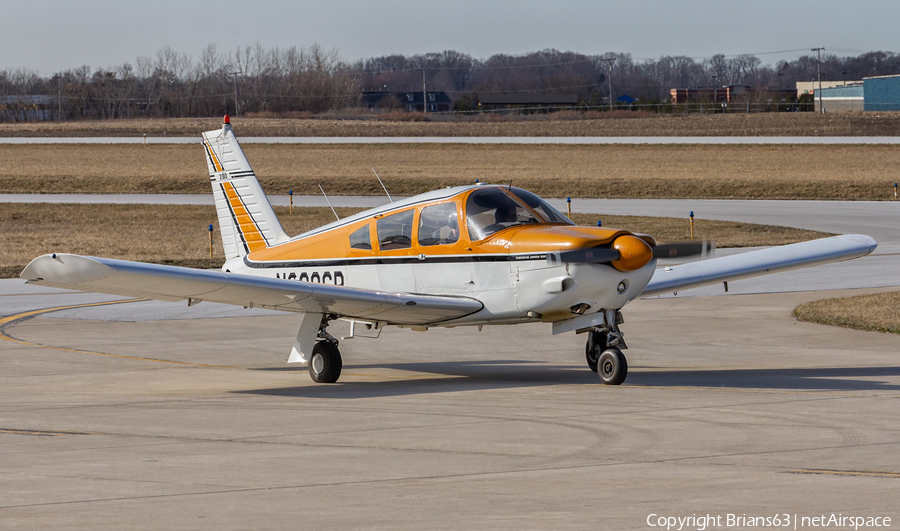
[170,283]
[756,263]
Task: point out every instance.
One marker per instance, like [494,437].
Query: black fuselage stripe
[234,221]
[393,260]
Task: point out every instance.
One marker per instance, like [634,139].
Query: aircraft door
[396,269]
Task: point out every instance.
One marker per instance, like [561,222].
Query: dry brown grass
[854,172]
[178,235]
[877,312]
[765,124]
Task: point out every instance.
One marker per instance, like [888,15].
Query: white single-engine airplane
[464,256]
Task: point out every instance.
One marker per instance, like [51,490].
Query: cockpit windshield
[493,209]
[542,207]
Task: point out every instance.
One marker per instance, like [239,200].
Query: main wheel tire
[325,363]
[612,367]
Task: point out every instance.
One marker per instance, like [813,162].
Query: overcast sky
[53,35]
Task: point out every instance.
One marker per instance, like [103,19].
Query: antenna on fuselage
[382,185]
[329,203]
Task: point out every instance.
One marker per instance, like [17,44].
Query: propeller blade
[701,248]
[594,255]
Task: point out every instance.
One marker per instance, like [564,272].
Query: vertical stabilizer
[246,218]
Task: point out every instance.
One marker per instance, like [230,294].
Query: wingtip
[64,268]
[868,241]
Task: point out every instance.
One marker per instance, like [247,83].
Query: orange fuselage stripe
[335,243]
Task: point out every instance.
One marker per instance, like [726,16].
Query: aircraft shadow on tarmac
[498,374]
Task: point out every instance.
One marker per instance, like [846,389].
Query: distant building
[809,87]
[841,98]
[726,94]
[28,108]
[882,93]
[438,100]
[510,100]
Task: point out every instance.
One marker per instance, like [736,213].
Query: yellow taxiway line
[4,322]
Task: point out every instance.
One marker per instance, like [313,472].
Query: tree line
[254,79]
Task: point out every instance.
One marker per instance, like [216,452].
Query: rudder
[246,219]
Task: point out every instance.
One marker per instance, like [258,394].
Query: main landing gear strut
[317,348]
[603,350]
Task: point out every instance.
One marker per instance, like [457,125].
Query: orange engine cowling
[633,251]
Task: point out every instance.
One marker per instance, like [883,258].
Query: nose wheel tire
[593,348]
[325,363]
[612,367]
[592,355]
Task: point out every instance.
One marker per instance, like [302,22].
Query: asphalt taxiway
[149,415]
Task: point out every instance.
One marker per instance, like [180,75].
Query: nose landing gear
[612,367]
[602,351]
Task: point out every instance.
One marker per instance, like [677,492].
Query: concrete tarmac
[147,416]
[730,407]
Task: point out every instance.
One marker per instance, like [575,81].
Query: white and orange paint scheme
[504,265]
[465,256]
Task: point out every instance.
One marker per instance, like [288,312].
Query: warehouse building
[843,98]
[882,93]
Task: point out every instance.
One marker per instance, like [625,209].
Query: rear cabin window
[438,225]
[360,239]
[395,231]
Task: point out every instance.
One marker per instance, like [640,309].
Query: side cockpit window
[438,225]
[395,231]
[360,239]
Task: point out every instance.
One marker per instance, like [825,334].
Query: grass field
[641,124]
[179,235]
[876,312]
[850,172]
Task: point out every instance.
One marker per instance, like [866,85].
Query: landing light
[622,287]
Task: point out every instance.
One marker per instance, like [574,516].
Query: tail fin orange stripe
[212,154]
[248,227]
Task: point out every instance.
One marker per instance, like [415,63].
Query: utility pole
[236,113]
[609,62]
[424,95]
[715,79]
[819,76]
[59,96]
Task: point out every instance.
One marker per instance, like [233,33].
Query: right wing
[170,283]
[756,263]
